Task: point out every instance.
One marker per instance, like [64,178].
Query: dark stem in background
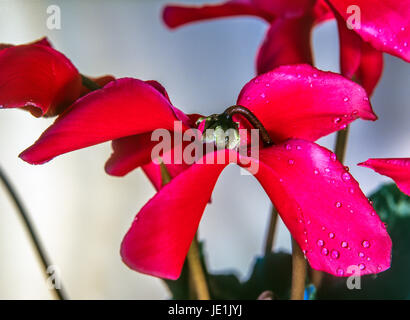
[341,144]
[196,272]
[59,293]
[297,291]
[90,84]
[270,237]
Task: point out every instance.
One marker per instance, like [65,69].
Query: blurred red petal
[396,168]
[38,78]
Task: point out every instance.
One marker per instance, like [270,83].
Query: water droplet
[311,85]
[368,259]
[347,168]
[351,190]
[405,44]
[340,272]
[362,266]
[267,84]
[280,180]
[256,81]
[402,28]
[324,251]
[298,148]
[300,221]
[338,204]
[361,254]
[291,161]
[327,170]
[248,98]
[380,30]
[320,243]
[345,176]
[333,157]
[344,244]
[337,120]
[316,171]
[331,235]
[323,228]
[365,244]
[288,146]
[263,95]
[335,254]
[345,99]
[379,267]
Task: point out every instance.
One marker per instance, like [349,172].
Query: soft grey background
[82,213]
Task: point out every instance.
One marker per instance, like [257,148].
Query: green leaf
[393,207]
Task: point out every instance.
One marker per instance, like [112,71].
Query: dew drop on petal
[365,244]
[263,95]
[338,204]
[288,146]
[324,251]
[316,171]
[337,120]
[333,157]
[361,254]
[345,99]
[344,244]
[340,272]
[320,243]
[331,235]
[335,254]
[345,176]
[362,266]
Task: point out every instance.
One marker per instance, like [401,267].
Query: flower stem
[270,237]
[297,291]
[89,84]
[341,144]
[41,253]
[253,120]
[196,271]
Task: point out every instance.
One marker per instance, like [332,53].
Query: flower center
[221,130]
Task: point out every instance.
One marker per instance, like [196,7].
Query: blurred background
[82,214]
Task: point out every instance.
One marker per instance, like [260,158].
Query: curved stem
[270,237]
[90,84]
[196,271]
[41,253]
[297,291]
[254,121]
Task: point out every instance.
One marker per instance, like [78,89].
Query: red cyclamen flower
[384,27]
[319,201]
[396,168]
[40,79]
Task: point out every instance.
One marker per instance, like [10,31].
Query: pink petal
[384,24]
[122,108]
[324,208]
[350,48]
[396,168]
[358,59]
[153,172]
[286,8]
[177,15]
[286,42]
[294,101]
[162,232]
[129,153]
[370,68]
[37,78]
